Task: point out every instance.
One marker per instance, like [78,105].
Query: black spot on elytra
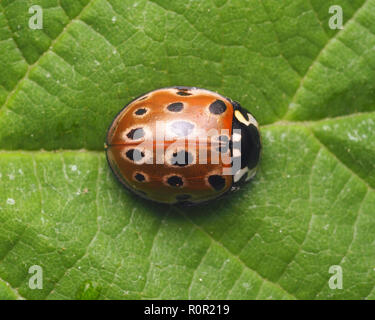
[182,158]
[182,128]
[217,107]
[175,181]
[135,134]
[175,107]
[183,197]
[139,177]
[140,111]
[217,182]
[135,154]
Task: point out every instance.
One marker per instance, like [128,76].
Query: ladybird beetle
[183,145]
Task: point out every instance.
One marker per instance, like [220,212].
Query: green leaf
[310,207]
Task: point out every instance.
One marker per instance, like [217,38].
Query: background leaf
[311,205]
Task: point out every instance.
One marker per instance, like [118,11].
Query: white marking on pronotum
[252,120]
[242,119]
[239,174]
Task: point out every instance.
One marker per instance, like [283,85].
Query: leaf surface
[310,207]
